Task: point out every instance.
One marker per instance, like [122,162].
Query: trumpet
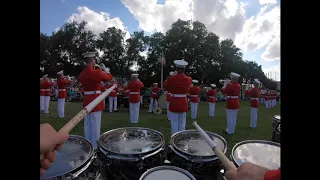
[223,82]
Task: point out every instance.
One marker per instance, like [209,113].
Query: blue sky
[252,24]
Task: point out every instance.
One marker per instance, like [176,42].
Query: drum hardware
[167,171]
[276,128]
[85,167]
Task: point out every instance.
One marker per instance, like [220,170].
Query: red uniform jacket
[194,94]
[41,89]
[154,91]
[179,86]
[103,88]
[212,95]
[46,85]
[126,91]
[232,92]
[169,94]
[273,175]
[266,96]
[61,83]
[90,79]
[134,90]
[254,94]
[115,90]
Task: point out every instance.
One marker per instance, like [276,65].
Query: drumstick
[77,118]
[223,158]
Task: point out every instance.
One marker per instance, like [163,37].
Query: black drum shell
[201,168]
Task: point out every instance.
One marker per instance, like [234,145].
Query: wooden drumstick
[77,118]
[222,157]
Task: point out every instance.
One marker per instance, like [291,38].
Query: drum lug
[108,161]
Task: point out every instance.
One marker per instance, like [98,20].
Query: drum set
[136,153]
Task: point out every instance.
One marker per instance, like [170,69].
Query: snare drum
[73,161]
[129,152]
[263,153]
[167,173]
[189,151]
[276,126]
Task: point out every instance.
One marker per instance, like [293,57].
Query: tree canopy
[209,58]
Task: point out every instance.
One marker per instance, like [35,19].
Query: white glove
[106,70]
[115,85]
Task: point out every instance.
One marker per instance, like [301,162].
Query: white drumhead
[166,174]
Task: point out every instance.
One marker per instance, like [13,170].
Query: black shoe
[225,132]
[115,110]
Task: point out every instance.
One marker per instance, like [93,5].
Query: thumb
[231,175]
[60,138]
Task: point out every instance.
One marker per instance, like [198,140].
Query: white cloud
[97,22]
[272,51]
[263,2]
[273,72]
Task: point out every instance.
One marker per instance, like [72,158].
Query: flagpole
[162,71]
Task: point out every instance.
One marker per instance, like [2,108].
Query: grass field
[159,122]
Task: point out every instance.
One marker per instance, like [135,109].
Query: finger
[42,171]
[51,156]
[45,164]
[60,138]
[58,147]
[231,175]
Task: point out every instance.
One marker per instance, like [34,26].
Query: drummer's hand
[247,171]
[50,139]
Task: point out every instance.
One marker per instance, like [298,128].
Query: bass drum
[128,152]
[189,151]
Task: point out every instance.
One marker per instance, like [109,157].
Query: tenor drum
[129,152]
[73,161]
[189,151]
[162,101]
[263,153]
[166,173]
[276,128]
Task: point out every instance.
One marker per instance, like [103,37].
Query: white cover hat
[171,73]
[134,75]
[155,84]
[180,63]
[89,54]
[60,72]
[234,75]
[45,76]
[213,85]
[195,81]
[97,65]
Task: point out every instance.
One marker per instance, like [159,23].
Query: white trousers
[253,117]
[61,102]
[168,111]
[267,103]
[41,102]
[231,120]
[92,124]
[212,105]
[113,103]
[46,103]
[261,100]
[153,103]
[178,122]
[194,110]
[134,112]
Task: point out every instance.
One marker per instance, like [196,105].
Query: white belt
[193,95]
[254,98]
[233,97]
[154,93]
[46,89]
[62,89]
[179,95]
[42,89]
[92,92]
[211,97]
[134,92]
[169,93]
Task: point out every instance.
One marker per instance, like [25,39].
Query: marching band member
[90,79]
[153,97]
[274,98]
[194,92]
[261,96]
[134,87]
[212,99]
[169,94]
[46,85]
[232,91]
[62,82]
[179,85]
[41,95]
[266,99]
[254,95]
[113,97]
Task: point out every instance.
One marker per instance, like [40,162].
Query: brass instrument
[224,82]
